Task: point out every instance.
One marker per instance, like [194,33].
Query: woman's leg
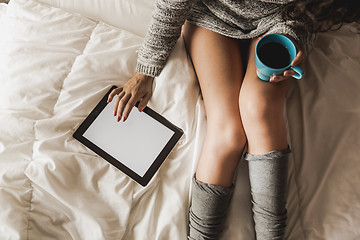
[261,106]
[218,65]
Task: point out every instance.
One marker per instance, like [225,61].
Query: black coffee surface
[274,55]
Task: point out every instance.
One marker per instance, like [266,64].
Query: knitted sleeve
[165,28]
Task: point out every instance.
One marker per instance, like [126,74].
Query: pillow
[131,15]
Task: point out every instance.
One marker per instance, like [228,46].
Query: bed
[58,58]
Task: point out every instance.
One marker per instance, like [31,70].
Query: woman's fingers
[138,88]
[114,92]
[287,74]
[144,101]
[129,106]
[275,79]
[117,101]
[121,103]
[298,59]
[132,102]
[125,102]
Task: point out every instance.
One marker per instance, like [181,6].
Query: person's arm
[165,29]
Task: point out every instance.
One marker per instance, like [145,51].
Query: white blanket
[55,66]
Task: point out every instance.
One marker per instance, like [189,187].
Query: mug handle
[299,72]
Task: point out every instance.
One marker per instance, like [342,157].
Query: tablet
[137,146]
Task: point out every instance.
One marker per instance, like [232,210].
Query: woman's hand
[138,88]
[288,73]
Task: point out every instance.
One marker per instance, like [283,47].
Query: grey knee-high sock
[208,210]
[268,180]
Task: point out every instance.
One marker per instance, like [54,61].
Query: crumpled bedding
[55,66]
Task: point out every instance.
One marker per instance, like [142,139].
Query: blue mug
[273,55]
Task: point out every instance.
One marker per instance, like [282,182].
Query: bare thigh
[218,65]
[261,106]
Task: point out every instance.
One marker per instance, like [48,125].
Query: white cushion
[131,15]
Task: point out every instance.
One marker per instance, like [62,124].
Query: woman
[220,37]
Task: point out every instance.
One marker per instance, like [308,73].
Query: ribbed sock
[208,210]
[268,180]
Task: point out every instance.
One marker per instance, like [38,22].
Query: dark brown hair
[323,15]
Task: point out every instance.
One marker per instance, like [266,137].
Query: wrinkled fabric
[56,65]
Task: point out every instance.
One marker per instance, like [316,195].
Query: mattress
[57,59]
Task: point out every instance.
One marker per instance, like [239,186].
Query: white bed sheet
[56,65]
[323,112]
[54,68]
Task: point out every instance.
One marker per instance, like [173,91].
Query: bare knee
[227,141]
[221,153]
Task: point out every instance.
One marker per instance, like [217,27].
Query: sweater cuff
[152,71]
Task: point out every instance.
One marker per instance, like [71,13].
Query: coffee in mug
[274,55]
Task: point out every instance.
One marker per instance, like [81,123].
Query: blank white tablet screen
[135,143]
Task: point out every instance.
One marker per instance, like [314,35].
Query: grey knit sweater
[242,19]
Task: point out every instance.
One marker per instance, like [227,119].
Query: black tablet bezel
[177,133]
